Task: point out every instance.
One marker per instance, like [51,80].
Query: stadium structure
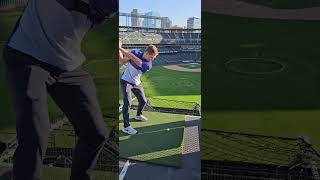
[175,45]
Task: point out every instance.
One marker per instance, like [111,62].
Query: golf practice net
[58,159]
[230,155]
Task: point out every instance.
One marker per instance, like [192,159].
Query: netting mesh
[170,106]
[239,155]
[61,143]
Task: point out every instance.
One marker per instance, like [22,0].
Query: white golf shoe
[141,118]
[129,130]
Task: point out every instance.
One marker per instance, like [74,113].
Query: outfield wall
[6,5]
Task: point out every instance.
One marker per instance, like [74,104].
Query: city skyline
[142,22]
[177,11]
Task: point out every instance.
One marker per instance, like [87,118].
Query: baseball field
[261,75]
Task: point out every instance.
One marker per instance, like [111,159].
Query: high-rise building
[194,23]
[166,23]
[151,22]
[135,20]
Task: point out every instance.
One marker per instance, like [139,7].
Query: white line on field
[124,170]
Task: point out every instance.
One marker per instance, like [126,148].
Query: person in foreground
[43,57]
[138,63]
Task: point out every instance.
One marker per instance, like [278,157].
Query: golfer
[138,62]
[43,57]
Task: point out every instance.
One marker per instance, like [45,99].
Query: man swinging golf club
[43,56]
[138,62]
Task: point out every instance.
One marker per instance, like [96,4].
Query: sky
[177,10]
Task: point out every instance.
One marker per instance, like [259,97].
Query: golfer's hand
[120,44]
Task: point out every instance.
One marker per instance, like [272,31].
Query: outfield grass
[280,104]
[286,4]
[174,85]
[154,143]
[168,84]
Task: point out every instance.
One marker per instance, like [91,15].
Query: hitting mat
[159,139]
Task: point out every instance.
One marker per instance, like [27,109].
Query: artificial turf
[154,142]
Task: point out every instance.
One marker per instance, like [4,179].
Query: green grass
[292,43]
[168,84]
[279,104]
[172,84]
[162,83]
[286,4]
[154,143]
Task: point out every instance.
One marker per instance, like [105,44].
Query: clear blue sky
[177,10]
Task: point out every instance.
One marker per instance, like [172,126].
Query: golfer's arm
[131,56]
[123,59]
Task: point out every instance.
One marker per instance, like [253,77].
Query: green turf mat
[155,143]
